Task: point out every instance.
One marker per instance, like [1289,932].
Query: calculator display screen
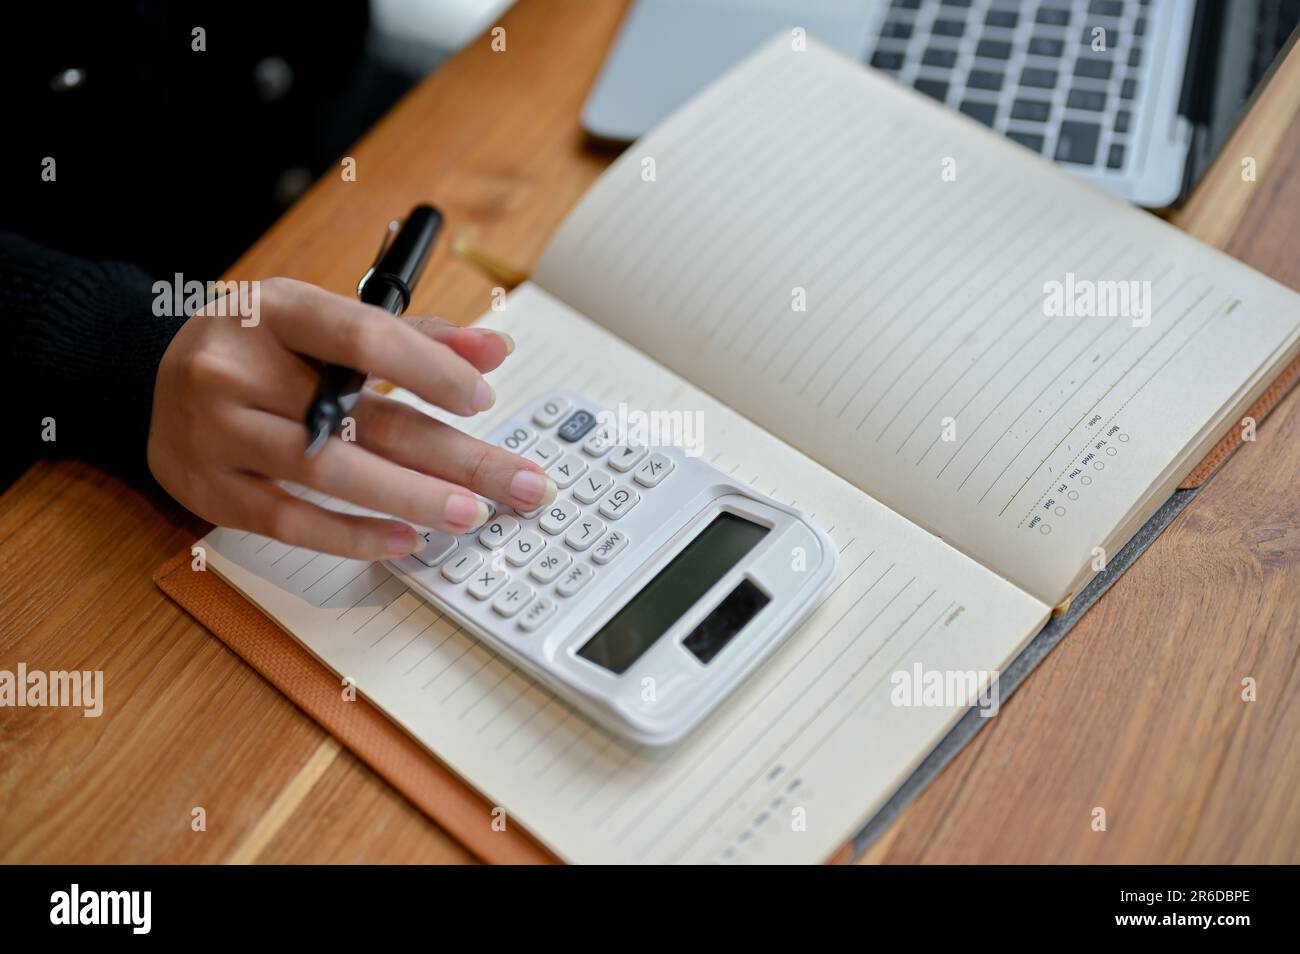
[677,587]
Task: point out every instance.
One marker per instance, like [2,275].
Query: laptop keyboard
[1062,77]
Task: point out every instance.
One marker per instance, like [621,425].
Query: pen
[388,284]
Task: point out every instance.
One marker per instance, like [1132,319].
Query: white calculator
[645,592]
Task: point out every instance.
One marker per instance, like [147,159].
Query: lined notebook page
[784,771]
[924,369]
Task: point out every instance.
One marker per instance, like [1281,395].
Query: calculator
[645,592]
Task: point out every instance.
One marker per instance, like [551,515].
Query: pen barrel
[401,264]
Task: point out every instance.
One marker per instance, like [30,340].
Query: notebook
[887,327]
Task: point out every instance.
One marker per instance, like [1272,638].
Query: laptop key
[887,60]
[1106,8]
[939,57]
[1093,68]
[1110,34]
[906,4]
[1086,99]
[935,89]
[1115,159]
[984,79]
[1135,56]
[993,49]
[1046,46]
[1053,16]
[1033,141]
[1140,26]
[948,28]
[1034,110]
[1040,79]
[897,30]
[956,3]
[1006,19]
[1122,120]
[984,112]
[1128,89]
[1077,143]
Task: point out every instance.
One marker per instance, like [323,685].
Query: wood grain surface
[1138,711]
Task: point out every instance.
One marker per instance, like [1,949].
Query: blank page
[865,275]
[786,769]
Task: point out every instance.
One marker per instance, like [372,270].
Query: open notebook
[965,451]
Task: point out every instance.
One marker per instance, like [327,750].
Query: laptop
[1135,96]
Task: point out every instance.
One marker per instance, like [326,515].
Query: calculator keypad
[525,565]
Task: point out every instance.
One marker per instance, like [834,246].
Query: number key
[589,489]
[496,533]
[569,469]
[556,517]
[545,453]
[523,548]
[519,438]
[550,411]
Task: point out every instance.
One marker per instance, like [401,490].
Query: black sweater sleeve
[86,345]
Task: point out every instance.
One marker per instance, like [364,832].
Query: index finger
[338,330]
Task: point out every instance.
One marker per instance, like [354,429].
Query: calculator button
[529,514]
[496,533]
[615,542]
[519,438]
[545,453]
[486,581]
[549,412]
[459,569]
[437,547]
[551,565]
[577,426]
[491,512]
[512,599]
[537,613]
[569,469]
[654,470]
[626,457]
[589,489]
[523,548]
[600,442]
[618,502]
[557,516]
[578,576]
[584,532]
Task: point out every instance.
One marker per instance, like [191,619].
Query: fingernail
[403,541]
[509,342]
[465,510]
[484,396]
[530,487]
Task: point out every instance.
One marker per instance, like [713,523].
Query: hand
[227,425]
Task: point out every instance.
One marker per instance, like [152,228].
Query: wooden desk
[1138,711]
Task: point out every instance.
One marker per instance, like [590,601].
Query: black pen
[388,284]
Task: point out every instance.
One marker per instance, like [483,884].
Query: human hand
[227,425]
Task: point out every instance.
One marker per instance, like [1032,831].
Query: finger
[485,348]
[406,436]
[273,512]
[274,446]
[312,321]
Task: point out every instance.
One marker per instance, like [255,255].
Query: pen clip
[389,234]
